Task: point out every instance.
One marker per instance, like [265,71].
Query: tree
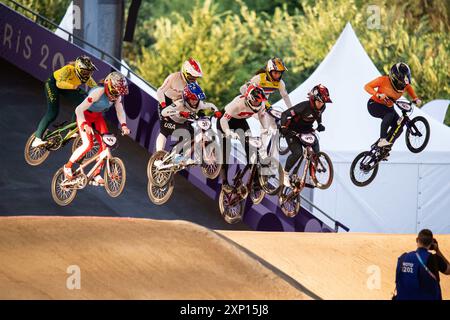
[232,46]
[53,10]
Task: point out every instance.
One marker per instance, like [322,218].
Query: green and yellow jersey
[67,79]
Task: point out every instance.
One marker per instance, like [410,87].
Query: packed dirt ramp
[124,258]
[337,266]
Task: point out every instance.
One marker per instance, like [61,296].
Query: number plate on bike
[275,113]
[308,138]
[110,140]
[404,105]
[204,124]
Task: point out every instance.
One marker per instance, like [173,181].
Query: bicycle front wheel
[323,171]
[417,134]
[289,202]
[160,195]
[210,167]
[256,193]
[116,177]
[231,206]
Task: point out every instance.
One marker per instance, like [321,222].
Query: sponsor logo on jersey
[169,125]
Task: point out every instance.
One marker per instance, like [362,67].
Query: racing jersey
[97,101]
[269,87]
[172,87]
[66,78]
[383,85]
[300,118]
[238,109]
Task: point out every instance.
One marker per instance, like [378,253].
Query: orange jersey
[384,86]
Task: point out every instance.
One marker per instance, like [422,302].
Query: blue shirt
[102,105]
[412,279]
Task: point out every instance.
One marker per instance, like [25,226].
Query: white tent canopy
[66,23]
[411,191]
[437,109]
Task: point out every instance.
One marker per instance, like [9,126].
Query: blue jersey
[413,278]
[102,105]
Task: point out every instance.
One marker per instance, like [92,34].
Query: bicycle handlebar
[298,134]
[395,101]
[102,134]
[193,116]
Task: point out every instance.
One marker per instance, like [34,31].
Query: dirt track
[121,258]
[336,266]
[127,258]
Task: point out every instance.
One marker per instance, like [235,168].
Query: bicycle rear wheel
[158,177]
[61,195]
[35,156]
[364,169]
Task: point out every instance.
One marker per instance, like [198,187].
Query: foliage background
[54,10]
[234,38]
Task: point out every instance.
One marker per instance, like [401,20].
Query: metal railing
[337,224]
[38,18]
[104,54]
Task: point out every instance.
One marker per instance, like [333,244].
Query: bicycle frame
[296,190]
[72,128]
[241,173]
[307,154]
[99,158]
[404,120]
[237,180]
[170,166]
[378,153]
[272,145]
